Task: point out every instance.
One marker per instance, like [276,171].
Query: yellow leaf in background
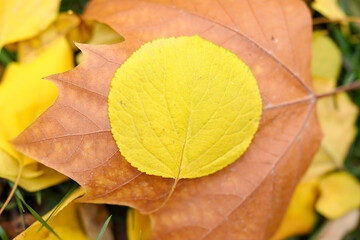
[300,216]
[81,34]
[183,108]
[23,97]
[337,115]
[138,226]
[29,49]
[329,8]
[101,34]
[326,58]
[104,34]
[24,19]
[65,222]
[339,193]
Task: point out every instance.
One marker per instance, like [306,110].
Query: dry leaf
[338,228]
[247,199]
[24,19]
[93,217]
[14,227]
[300,216]
[23,97]
[101,34]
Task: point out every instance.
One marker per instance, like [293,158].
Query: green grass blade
[103,228]
[10,206]
[72,189]
[38,198]
[6,56]
[3,234]
[36,215]
[21,211]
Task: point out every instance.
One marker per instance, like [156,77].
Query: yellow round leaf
[183,108]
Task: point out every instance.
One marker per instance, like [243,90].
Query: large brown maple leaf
[245,200]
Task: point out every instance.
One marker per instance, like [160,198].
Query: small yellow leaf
[138,226]
[300,216]
[339,193]
[24,19]
[183,108]
[329,8]
[23,97]
[65,222]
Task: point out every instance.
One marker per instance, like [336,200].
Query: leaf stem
[168,196]
[322,20]
[350,87]
[16,183]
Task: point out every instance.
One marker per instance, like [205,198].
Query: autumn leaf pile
[206,119]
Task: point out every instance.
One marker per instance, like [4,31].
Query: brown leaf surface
[247,199]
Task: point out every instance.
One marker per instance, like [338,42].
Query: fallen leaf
[25,19]
[337,116]
[300,216]
[138,226]
[329,8]
[14,227]
[163,128]
[23,97]
[326,59]
[93,217]
[339,193]
[101,34]
[338,228]
[245,200]
[29,49]
[81,34]
[65,222]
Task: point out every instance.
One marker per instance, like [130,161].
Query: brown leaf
[247,199]
[15,226]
